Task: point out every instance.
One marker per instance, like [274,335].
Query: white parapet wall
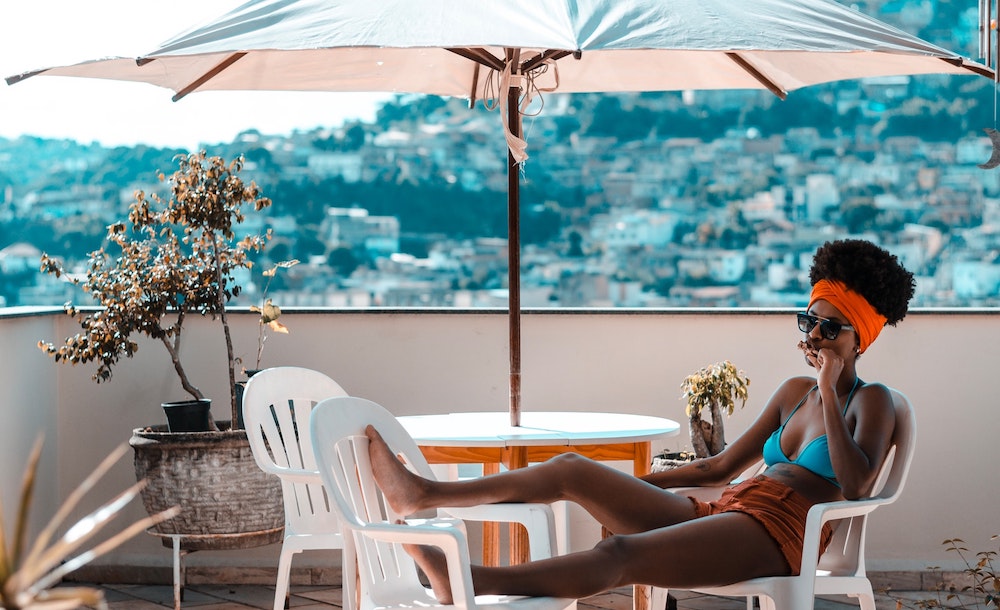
[420,361]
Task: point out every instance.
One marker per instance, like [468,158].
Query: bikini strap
[857,383]
[801,402]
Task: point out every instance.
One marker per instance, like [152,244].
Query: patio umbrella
[510,51]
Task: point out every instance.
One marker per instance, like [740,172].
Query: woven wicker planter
[226,500]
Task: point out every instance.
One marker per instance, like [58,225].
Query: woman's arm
[857,457]
[856,454]
[739,455]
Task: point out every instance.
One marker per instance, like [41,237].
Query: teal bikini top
[814,457]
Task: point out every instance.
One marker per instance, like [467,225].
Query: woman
[823,438]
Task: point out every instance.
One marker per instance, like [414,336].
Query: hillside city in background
[673,199]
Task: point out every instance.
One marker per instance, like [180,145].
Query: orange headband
[866,321]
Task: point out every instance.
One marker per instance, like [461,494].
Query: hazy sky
[44,33]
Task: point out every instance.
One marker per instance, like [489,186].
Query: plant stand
[180,544]
[227,502]
[178,566]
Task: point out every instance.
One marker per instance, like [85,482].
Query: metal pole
[514,253]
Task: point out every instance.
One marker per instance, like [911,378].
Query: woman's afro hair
[869,271]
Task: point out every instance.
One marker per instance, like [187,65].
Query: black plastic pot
[240,387]
[188,415]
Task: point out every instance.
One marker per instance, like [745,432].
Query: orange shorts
[779,508]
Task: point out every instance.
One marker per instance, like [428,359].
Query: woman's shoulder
[792,390]
[797,385]
[875,392]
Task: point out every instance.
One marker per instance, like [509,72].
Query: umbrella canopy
[512,50]
[453,47]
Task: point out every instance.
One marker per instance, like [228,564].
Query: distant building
[354,228]
[20,258]
[976,279]
[821,193]
[347,166]
[634,228]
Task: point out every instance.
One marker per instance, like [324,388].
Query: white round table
[489,439]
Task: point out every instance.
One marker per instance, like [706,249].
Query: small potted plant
[716,387]
[268,321]
[269,314]
[176,258]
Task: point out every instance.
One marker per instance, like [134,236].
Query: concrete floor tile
[328,595]
[313,597]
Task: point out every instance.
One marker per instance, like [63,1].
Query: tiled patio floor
[242,597]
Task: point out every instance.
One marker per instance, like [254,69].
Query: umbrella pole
[514,259]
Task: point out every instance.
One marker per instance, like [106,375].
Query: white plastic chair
[277,403]
[841,569]
[386,575]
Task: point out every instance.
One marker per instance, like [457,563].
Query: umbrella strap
[526,84]
[517,145]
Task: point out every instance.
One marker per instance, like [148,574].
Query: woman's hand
[828,363]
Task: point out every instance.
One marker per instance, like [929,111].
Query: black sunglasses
[828,328]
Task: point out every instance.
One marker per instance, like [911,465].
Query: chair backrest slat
[277,404]
[360,499]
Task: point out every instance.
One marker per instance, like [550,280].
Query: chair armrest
[705,494]
[443,533]
[295,475]
[842,509]
[819,514]
[537,518]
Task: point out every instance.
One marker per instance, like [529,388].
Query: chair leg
[658,598]
[866,601]
[281,588]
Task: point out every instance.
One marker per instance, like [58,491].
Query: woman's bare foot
[432,561]
[402,488]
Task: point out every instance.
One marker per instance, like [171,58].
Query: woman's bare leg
[619,501]
[715,550]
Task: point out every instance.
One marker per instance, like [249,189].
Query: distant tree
[307,245]
[858,214]
[933,121]
[124,165]
[279,251]
[307,201]
[575,249]
[610,119]
[539,225]
[804,108]
[566,125]
[734,238]
[354,137]
[343,261]
[260,156]
[408,109]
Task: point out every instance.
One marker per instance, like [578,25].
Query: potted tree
[714,388]
[175,258]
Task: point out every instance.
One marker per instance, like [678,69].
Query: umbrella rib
[20,77]
[971,67]
[541,58]
[480,56]
[204,78]
[757,74]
